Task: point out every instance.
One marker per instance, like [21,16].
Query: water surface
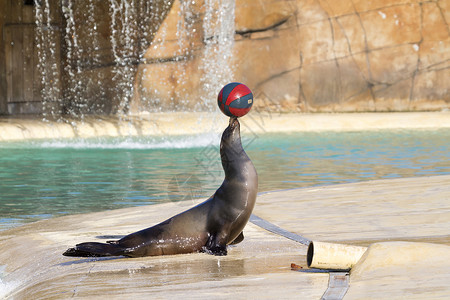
[43,179]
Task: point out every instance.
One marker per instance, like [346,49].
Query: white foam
[6,288]
[171,142]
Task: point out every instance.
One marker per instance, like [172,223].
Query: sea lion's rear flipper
[95,250]
[238,239]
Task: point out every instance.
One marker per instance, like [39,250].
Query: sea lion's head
[232,134]
[230,145]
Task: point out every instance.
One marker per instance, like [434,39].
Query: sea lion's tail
[95,250]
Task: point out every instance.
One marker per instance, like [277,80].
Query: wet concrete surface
[414,210]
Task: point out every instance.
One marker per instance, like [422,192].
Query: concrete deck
[415,210]
[164,124]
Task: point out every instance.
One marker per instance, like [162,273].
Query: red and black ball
[235,99]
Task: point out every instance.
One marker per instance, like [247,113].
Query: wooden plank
[57,59]
[28,62]
[52,66]
[37,84]
[14,15]
[8,59]
[27,13]
[8,16]
[55,13]
[17,64]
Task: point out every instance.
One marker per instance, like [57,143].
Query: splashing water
[73,67]
[88,61]
[48,66]
[218,26]
[86,50]
[123,32]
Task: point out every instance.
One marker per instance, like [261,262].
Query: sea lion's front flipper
[238,239]
[214,247]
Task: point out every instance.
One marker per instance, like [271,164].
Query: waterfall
[218,26]
[219,29]
[75,101]
[124,40]
[89,57]
[48,65]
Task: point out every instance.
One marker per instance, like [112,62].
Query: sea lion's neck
[233,160]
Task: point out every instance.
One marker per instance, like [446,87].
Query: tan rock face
[307,55]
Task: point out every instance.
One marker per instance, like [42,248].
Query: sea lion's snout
[233,130]
[234,126]
[231,136]
[233,122]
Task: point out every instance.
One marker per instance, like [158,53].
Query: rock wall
[2,58]
[310,56]
[295,55]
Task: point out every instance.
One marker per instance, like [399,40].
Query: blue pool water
[43,179]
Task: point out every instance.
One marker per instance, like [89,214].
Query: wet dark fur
[208,227]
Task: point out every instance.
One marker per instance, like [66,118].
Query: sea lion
[208,227]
